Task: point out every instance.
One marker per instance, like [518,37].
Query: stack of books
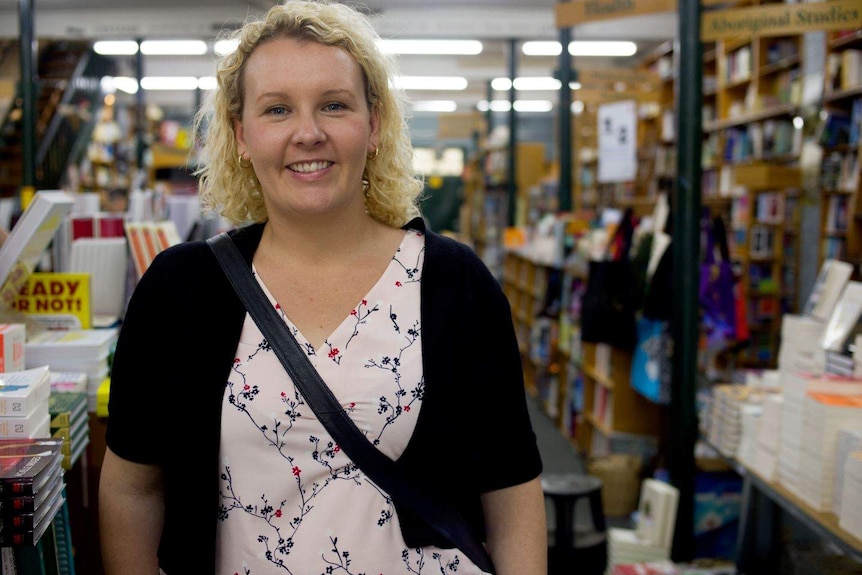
[849,442]
[823,416]
[796,352]
[85,350]
[31,489]
[850,515]
[652,537]
[728,405]
[765,460]
[796,385]
[70,423]
[24,403]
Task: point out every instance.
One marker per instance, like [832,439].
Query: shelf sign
[780,19]
[617,136]
[567,14]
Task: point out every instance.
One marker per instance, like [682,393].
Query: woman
[208,440]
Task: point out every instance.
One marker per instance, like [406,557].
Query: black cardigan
[178,342]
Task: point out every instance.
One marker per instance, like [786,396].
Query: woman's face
[306,127]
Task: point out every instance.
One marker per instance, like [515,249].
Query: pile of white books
[796,385]
[850,516]
[84,350]
[765,461]
[730,404]
[849,442]
[823,416]
[652,537]
[24,403]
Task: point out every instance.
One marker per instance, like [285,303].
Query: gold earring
[242,165]
[373,154]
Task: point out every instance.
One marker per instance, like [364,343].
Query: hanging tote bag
[608,304]
[716,292]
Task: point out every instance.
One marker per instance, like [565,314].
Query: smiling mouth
[308,167]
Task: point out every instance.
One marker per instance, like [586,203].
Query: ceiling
[496,22]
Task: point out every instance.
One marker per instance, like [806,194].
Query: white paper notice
[617,142]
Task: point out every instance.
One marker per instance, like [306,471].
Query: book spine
[17,522]
[13,505]
[16,487]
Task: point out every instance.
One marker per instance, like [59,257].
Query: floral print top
[290,500]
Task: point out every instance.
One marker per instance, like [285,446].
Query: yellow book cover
[57,300]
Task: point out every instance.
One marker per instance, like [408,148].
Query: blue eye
[334,107]
[278,110]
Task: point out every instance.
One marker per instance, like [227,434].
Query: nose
[308,131]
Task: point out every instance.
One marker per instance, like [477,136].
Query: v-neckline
[332,335]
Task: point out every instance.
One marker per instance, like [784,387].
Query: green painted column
[685,206]
[28,98]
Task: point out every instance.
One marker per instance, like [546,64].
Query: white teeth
[308,167]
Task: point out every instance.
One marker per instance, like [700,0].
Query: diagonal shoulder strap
[438,514]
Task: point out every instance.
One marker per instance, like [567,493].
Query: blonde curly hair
[233,191]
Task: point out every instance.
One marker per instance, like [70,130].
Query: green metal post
[513,133]
[686,246]
[565,119]
[28,96]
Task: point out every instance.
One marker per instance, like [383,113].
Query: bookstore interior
[710,389]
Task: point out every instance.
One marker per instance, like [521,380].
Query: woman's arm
[131,516]
[516,528]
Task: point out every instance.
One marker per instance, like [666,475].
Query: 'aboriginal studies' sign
[781,19]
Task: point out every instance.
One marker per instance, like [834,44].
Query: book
[12,337]
[29,537]
[57,300]
[831,280]
[106,260]
[66,408]
[28,239]
[37,424]
[657,512]
[21,392]
[68,381]
[844,317]
[28,520]
[26,465]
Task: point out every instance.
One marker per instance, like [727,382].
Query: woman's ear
[374,134]
[239,135]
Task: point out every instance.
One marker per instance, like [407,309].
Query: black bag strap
[437,513]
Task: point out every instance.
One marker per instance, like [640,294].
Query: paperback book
[26,465]
[28,239]
[22,392]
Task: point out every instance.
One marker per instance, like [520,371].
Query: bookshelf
[839,181]
[485,214]
[615,417]
[764,244]
[753,91]
[533,290]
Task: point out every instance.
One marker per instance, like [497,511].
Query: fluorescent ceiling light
[456,47]
[222,47]
[116,47]
[431,83]
[520,106]
[531,84]
[533,105]
[169,83]
[207,83]
[581,48]
[125,84]
[591,48]
[435,106]
[174,47]
[541,48]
